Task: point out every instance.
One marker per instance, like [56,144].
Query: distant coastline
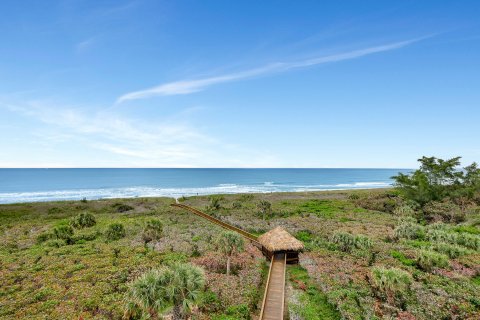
[39,185]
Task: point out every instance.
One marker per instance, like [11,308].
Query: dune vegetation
[412,252]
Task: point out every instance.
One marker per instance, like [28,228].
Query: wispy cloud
[85,44]
[172,142]
[191,86]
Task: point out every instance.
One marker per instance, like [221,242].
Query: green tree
[153,292]
[229,243]
[438,179]
[265,208]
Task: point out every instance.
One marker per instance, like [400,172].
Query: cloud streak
[129,142]
[192,86]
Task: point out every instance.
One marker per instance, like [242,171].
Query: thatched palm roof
[279,239]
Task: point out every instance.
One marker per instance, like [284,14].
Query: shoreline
[284,193]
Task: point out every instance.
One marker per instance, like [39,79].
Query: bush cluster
[470,241]
[409,230]
[451,250]
[63,232]
[115,231]
[391,284]
[443,211]
[153,231]
[83,220]
[385,202]
[427,260]
[121,207]
[404,210]
[347,242]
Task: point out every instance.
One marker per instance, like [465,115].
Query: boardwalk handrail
[266,288]
[245,234]
[266,312]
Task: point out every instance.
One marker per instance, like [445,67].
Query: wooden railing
[243,233]
[273,305]
[266,288]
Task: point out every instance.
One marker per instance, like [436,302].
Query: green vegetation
[121,207]
[402,258]
[53,265]
[215,202]
[178,286]
[115,231]
[229,243]
[451,250]
[311,303]
[265,208]
[391,284]
[439,179]
[153,231]
[427,260]
[409,230]
[348,242]
[83,220]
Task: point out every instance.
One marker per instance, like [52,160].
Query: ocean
[33,185]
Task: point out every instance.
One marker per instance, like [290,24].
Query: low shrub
[121,207]
[240,312]
[353,196]
[471,241]
[402,258]
[347,242]
[404,210]
[210,302]
[246,197]
[115,231]
[468,240]
[467,229]
[83,220]
[153,231]
[236,205]
[44,236]
[385,202]
[304,236]
[55,210]
[391,284]
[451,250]
[215,202]
[409,230]
[427,260]
[55,243]
[443,211]
[64,232]
[85,237]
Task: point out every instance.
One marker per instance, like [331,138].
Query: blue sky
[148,83]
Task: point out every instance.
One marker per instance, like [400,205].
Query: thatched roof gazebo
[278,240]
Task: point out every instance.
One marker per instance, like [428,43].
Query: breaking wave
[140,191]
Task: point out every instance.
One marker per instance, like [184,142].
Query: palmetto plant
[153,231]
[229,243]
[178,286]
[264,207]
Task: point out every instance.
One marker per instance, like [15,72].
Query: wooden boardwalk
[274,299]
[222,224]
